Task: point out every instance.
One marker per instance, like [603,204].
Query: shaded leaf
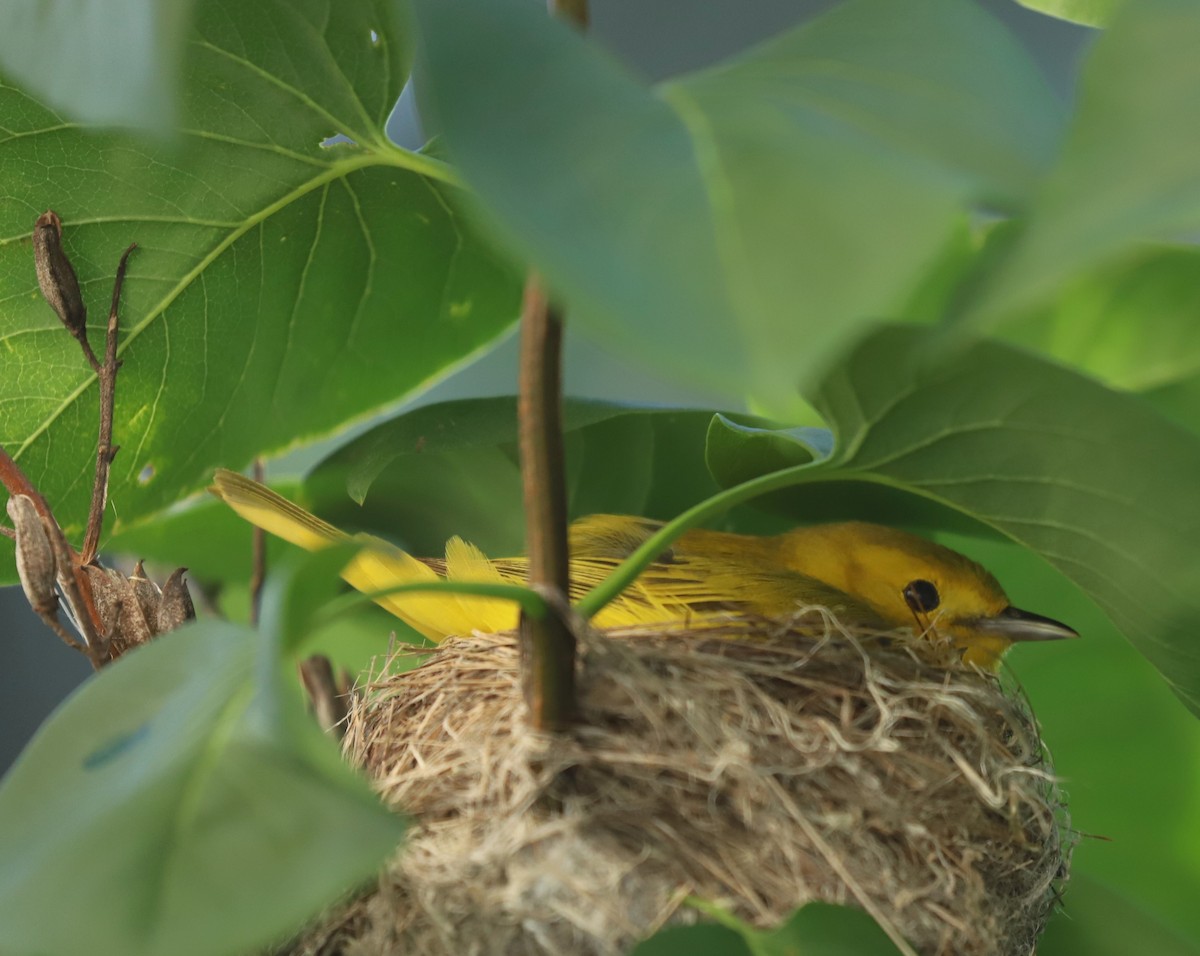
[452,468]
[280,287]
[1120,742]
[816,929]
[798,190]
[1099,922]
[1042,455]
[184,781]
[1129,167]
[110,64]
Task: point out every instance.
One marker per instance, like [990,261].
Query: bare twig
[258,547]
[105,451]
[329,698]
[547,643]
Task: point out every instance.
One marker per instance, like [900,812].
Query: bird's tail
[379,565]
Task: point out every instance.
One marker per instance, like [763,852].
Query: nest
[754,764]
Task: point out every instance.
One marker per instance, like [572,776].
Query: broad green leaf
[1132,326]
[181,802]
[281,287]
[816,929]
[703,939]
[1099,922]
[1127,752]
[738,224]
[1095,481]
[1092,13]
[107,64]
[1130,166]
[452,468]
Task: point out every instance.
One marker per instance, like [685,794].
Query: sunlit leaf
[1093,13]
[280,288]
[1133,326]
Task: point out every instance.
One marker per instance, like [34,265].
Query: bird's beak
[1013,624]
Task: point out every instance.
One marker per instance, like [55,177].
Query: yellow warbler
[868,574]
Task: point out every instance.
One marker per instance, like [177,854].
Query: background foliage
[745,228]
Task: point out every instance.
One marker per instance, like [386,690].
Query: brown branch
[547,644]
[258,549]
[574,11]
[105,451]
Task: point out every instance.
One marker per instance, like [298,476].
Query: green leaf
[1094,481]
[1128,757]
[740,224]
[1093,13]
[203,535]
[816,929]
[297,591]
[1132,326]
[1128,169]
[1099,922]
[451,468]
[281,287]
[182,782]
[110,64]
[703,939]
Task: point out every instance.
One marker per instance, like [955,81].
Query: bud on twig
[56,276]
[35,556]
[176,606]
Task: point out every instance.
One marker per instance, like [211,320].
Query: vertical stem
[258,547]
[105,452]
[547,643]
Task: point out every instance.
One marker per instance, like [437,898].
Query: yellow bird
[868,574]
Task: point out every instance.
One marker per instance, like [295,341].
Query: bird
[868,575]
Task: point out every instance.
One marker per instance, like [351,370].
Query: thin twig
[547,644]
[329,700]
[105,451]
[258,549]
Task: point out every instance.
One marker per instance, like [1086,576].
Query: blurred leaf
[452,468]
[1180,401]
[822,929]
[1098,922]
[1093,480]
[104,64]
[299,589]
[1133,326]
[1126,750]
[703,939]
[280,289]
[1093,13]
[203,535]
[1130,168]
[183,781]
[816,929]
[797,190]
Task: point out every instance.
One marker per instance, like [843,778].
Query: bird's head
[912,582]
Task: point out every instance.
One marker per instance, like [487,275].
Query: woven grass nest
[756,764]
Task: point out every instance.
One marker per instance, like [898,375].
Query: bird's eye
[921,596]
